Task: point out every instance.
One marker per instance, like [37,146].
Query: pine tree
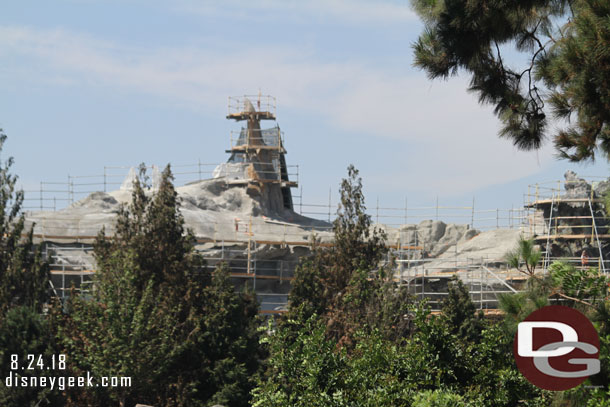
[460,313]
[345,284]
[158,316]
[24,277]
[24,289]
[567,46]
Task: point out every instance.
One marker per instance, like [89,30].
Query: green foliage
[307,369]
[438,398]
[304,368]
[460,312]
[586,284]
[433,365]
[599,398]
[345,283]
[154,228]
[23,331]
[497,382]
[357,245]
[518,306]
[24,283]
[567,48]
[353,338]
[525,254]
[586,290]
[581,289]
[600,316]
[439,356]
[24,277]
[156,315]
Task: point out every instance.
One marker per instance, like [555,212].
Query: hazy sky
[88,83]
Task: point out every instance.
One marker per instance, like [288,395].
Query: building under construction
[242,212]
[569,218]
[258,155]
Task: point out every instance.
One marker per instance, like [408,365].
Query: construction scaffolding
[424,281]
[53,196]
[260,151]
[263,251]
[56,195]
[242,108]
[561,216]
[74,268]
[549,218]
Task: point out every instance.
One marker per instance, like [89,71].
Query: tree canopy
[182,334]
[566,76]
[24,277]
[24,289]
[354,337]
[346,284]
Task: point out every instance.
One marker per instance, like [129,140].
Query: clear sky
[89,83]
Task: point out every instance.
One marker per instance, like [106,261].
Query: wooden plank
[571,217]
[269,242]
[404,247]
[245,147]
[72,272]
[247,115]
[564,200]
[581,236]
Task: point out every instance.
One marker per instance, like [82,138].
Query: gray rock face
[483,248]
[431,230]
[99,201]
[433,235]
[601,188]
[453,234]
[214,209]
[470,233]
[215,195]
[576,187]
[572,215]
[231,171]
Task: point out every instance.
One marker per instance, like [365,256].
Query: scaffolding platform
[548,202]
[258,107]
[572,237]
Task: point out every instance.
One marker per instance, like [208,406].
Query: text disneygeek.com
[55,362]
[63,382]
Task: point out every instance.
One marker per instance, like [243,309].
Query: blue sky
[88,83]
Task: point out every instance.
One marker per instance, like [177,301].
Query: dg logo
[556,348]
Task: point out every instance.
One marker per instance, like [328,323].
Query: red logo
[556,348]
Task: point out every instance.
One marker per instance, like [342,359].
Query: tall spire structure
[262,150]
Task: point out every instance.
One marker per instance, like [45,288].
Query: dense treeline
[155,314]
[351,336]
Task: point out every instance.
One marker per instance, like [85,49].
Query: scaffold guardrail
[55,195]
[260,103]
